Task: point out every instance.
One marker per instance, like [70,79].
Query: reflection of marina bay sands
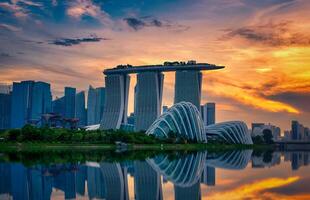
[149,90]
[110,180]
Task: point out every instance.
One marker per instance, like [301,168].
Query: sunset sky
[265,46]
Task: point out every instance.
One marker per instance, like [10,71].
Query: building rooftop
[166,67]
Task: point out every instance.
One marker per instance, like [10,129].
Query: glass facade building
[5,111]
[80,111]
[182,119]
[29,101]
[70,102]
[95,105]
[232,132]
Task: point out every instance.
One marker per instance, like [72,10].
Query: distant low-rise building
[299,132]
[259,128]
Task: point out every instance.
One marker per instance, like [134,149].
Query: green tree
[268,137]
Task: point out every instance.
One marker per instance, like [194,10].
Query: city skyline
[264,46]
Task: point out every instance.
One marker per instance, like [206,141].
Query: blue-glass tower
[70,102]
[5,111]
[30,100]
[95,105]
[80,111]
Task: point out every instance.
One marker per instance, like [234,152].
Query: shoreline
[42,146]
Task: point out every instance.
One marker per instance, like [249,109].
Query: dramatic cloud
[142,22]
[9,27]
[279,34]
[80,8]
[76,41]
[5,55]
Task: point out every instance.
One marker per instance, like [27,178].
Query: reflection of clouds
[254,190]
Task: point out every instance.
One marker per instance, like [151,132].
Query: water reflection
[187,174]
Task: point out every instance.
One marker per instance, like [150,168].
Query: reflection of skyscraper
[188,87]
[147,182]
[19,183]
[66,182]
[148,99]
[70,102]
[95,183]
[80,111]
[192,192]
[114,181]
[81,177]
[210,172]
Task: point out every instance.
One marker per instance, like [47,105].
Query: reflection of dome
[183,119]
[233,132]
[183,172]
[231,160]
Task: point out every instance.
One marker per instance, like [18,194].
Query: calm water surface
[199,175]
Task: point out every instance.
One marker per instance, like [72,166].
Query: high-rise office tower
[80,111]
[41,100]
[95,105]
[208,113]
[29,101]
[59,106]
[295,130]
[148,99]
[70,102]
[188,87]
[5,111]
[100,98]
[116,104]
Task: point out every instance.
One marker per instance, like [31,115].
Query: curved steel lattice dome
[183,119]
[232,132]
[184,172]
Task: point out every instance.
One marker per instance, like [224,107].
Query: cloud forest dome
[183,119]
[233,132]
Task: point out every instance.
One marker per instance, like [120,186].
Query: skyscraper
[70,102]
[95,105]
[295,130]
[5,111]
[188,87]
[80,111]
[148,99]
[208,113]
[41,100]
[59,106]
[116,103]
[30,100]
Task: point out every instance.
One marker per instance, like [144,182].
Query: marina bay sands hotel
[148,91]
